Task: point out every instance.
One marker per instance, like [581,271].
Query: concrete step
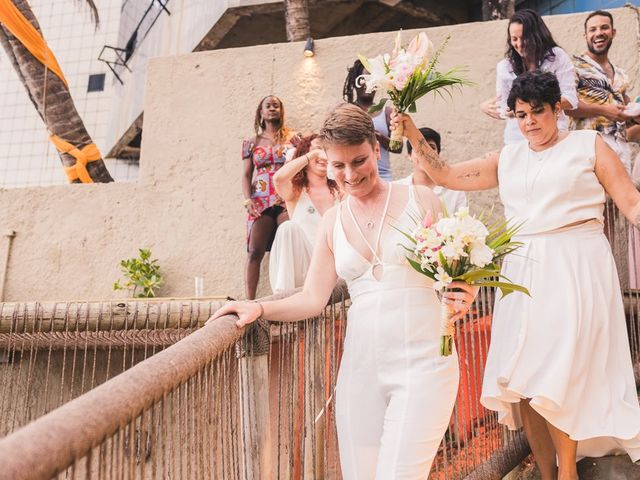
[605,468]
[608,468]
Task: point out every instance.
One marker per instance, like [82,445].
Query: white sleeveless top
[388,252]
[553,188]
[307,217]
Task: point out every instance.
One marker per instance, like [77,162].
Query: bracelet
[247,201]
[306,155]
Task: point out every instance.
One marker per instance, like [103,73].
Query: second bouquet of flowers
[461,247]
[405,75]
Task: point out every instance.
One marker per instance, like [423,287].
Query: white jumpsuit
[395,393]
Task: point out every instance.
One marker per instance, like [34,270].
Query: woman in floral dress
[262,156]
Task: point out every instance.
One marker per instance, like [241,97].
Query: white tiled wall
[27,158]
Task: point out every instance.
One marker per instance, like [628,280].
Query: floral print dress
[267,160]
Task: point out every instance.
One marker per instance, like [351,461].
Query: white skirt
[289,258]
[565,347]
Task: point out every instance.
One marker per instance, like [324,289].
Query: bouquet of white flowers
[406,75]
[461,247]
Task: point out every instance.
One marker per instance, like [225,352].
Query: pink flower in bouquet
[427,220]
[420,48]
[401,73]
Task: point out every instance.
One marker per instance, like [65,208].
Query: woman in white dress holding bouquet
[395,392]
[559,361]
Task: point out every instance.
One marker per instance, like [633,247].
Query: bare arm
[247,176]
[319,283]
[616,181]
[283,177]
[477,174]
[614,112]
[565,104]
[633,133]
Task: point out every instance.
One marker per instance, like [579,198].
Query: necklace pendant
[370,224]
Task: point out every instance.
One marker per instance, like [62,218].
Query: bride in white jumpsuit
[395,393]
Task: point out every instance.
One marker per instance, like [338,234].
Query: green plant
[140,273]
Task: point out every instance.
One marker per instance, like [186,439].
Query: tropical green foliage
[141,275]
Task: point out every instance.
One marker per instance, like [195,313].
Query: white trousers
[394,396]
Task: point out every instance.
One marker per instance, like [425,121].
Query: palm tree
[296,13]
[497,9]
[50,95]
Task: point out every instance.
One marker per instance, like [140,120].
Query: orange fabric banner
[19,26]
[89,153]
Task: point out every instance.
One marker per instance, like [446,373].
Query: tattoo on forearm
[472,174]
[430,155]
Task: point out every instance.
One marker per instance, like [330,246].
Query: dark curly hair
[537,41]
[535,88]
[428,134]
[300,179]
[349,86]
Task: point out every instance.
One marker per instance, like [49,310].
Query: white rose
[480,255]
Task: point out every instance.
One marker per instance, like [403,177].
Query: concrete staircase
[605,468]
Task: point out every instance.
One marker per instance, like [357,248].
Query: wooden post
[8,234]
[315,403]
[254,398]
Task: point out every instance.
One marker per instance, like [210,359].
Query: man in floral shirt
[602,87]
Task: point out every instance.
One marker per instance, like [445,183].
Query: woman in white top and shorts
[530,46]
[307,193]
[559,362]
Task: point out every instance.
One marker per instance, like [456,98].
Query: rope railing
[130,416]
[51,352]
[176,414]
[223,404]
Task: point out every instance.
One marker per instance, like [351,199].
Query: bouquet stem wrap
[447,330]
[395,142]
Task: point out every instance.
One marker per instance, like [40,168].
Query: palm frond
[93,9]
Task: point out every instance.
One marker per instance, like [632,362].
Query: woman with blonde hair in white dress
[308,193]
[559,361]
[395,393]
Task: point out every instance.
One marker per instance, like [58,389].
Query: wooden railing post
[314,413]
[254,396]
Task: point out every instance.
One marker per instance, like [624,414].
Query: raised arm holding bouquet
[406,75]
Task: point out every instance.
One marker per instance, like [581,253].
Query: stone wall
[187,205]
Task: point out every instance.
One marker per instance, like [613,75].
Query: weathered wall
[187,205]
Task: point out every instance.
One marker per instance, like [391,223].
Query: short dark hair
[428,134]
[598,13]
[536,88]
